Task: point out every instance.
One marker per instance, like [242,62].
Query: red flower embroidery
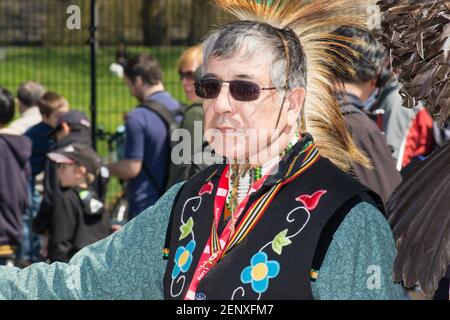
[207,188]
[312,201]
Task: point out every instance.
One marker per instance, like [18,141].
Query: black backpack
[169,119]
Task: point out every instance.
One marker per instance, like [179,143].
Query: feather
[419,214]
[418,36]
[308,19]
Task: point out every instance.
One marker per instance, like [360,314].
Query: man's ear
[296,100]
[137,81]
[374,83]
[66,128]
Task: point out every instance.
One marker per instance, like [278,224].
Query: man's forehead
[240,65]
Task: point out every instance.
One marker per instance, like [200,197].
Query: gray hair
[260,37]
[29,93]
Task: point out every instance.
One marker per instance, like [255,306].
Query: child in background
[51,106]
[79,217]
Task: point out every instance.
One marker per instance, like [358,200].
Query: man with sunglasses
[280,219]
[281,208]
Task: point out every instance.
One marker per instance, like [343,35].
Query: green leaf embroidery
[186,228]
[280,241]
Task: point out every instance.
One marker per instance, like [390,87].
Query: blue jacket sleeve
[359,262]
[126,265]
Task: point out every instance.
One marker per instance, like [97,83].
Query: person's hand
[115,227]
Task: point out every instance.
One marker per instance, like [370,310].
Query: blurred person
[187,65]
[117,67]
[71,127]
[189,69]
[15,151]
[51,106]
[354,91]
[147,159]
[28,95]
[408,132]
[79,216]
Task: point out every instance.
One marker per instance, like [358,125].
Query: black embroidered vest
[275,259]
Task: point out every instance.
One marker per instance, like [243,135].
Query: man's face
[134,87]
[54,116]
[188,80]
[237,129]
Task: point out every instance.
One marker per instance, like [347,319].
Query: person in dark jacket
[71,127]
[353,92]
[79,218]
[51,106]
[15,151]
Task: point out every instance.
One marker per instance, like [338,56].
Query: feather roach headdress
[308,19]
[417,34]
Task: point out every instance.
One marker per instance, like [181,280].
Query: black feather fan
[419,214]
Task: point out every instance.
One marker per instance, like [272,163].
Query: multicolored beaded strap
[254,175]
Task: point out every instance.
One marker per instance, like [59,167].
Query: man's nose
[223,102]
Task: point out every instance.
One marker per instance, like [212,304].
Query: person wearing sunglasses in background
[280,219]
[189,69]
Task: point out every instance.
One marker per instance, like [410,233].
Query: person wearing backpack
[148,129]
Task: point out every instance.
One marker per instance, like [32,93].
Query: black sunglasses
[190,75]
[240,90]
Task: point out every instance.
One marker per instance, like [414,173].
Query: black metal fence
[69,46]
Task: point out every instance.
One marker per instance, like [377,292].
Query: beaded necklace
[239,184]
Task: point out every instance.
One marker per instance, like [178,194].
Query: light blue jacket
[129,264]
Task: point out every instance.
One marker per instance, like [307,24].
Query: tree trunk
[155,22]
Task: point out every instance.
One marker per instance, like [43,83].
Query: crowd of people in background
[53,184]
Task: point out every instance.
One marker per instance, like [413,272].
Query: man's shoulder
[141,112]
[359,122]
[140,117]
[40,129]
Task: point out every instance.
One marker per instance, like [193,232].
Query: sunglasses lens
[188,75]
[244,90]
[240,90]
[207,88]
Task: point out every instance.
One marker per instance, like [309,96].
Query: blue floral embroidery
[183,259]
[259,272]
